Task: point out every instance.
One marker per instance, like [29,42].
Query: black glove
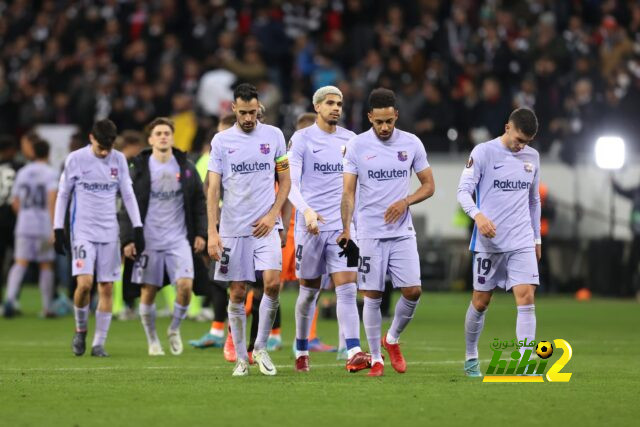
[59,241]
[138,240]
[351,251]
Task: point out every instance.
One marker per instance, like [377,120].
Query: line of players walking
[342,186]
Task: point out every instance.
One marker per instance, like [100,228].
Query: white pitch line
[206,368]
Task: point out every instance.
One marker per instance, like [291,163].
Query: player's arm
[214,245]
[471,176]
[131,205]
[311,217]
[426,190]
[535,209]
[15,204]
[65,188]
[285,214]
[264,225]
[14,195]
[199,209]
[347,204]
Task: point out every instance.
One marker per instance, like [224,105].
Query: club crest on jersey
[528,167]
[469,162]
[402,156]
[79,263]
[481,280]
[224,269]
[264,148]
[114,173]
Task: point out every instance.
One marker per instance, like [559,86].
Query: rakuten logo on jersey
[97,187]
[327,168]
[388,174]
[509,185]
[165,195]
[245,168]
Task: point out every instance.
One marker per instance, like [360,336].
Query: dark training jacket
[194,208]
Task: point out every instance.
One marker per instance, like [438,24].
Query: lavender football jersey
[247,164]
[32,186]
[506,190]
[164,223]
[93,183]
[316,166]
[384,174]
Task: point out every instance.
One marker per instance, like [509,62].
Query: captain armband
[282,163]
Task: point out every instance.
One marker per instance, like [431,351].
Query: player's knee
[413,293]
[237,293]
[272,289]
[105,289]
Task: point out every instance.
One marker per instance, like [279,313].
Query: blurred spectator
[74,62]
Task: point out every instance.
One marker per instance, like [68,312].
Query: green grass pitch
[42,383]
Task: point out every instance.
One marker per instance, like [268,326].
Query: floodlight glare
[610,152]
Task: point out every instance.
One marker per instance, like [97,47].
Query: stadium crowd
[458,67]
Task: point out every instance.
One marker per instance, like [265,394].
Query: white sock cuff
[273,303]
[408,302]
[236,309]
[146,308]
[372,302]
[529,308]
[348,290]
[475,311]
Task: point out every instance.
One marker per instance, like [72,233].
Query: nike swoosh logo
[371,157]
[232,151]
[498,167]
[315,151]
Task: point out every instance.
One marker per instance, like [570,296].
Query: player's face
[330,109]
[99,150]
[26,146]
[383,121]
[246,113]
[161,138]
[516,140]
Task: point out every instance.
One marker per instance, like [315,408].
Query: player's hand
[264,225]
[485,225]
[198,244]
[138,240]
[283,237]
[130,251]
[395,211]
[214,246]
[58,241]
[311,219]
[345,235]
[351,251]
[538,252]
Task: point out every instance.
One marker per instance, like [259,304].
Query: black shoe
[78,345]
[98,351]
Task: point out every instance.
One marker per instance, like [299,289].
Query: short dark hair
[228,119]
[245,91]
[525,120]
[105,132]
[32,136]
[41,149]
[128,138]
[382,98]
[160,121]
